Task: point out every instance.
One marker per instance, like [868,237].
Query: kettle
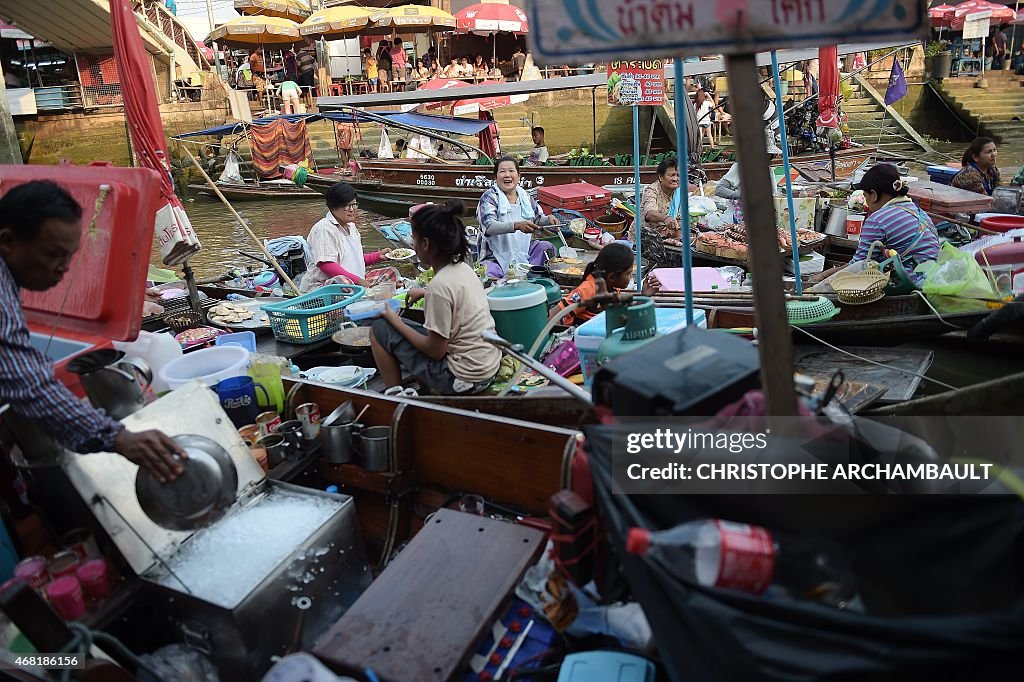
[112,381]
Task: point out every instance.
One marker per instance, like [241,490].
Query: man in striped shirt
[40,231]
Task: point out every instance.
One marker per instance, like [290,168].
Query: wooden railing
[157,15]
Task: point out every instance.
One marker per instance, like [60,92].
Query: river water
[222,237]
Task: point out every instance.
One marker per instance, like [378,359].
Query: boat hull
[392,186]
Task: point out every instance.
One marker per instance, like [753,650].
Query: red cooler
[590,200]
[100,299]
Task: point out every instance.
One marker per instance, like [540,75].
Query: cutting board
[934,196]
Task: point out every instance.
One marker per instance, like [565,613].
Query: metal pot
[375,448]
[113,382]
[336,440]
[352,339]
[836,223]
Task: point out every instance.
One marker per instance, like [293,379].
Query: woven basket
[858,288]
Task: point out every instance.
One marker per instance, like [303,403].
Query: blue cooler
[942,174]
[590,334]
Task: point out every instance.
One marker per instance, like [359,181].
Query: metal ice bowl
[199,496]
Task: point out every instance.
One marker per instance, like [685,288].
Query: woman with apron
[508,217]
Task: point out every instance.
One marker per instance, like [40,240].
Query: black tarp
[942,575]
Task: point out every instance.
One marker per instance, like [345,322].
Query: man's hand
[151,450]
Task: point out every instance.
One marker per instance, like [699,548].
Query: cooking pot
[352,339]
[112,381]
[836,223]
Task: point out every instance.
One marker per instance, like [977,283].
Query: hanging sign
[637,82]
[573,31]
[977,25]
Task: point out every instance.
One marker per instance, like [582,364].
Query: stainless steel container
[336,440]
[835,224]
[375,448]
[112,381]
[276,591]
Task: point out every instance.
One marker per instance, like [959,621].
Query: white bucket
[207,366]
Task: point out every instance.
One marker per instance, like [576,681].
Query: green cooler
[520,311]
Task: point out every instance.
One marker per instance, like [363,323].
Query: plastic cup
[66,597]
[94,578]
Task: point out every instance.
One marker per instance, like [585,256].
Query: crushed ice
[224,563]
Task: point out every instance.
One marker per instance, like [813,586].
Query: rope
[82,641]
[880,364]
[934,311]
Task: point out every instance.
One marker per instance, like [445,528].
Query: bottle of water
[752,559]
[237,297]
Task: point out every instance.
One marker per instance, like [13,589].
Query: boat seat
[337,89]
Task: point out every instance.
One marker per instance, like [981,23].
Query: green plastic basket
[810,312]
[313,317]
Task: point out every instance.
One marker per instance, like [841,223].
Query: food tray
[260,318]
[197,336]
[314,316]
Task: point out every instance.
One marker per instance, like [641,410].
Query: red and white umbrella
[1019,20]
[463,107]
[491,17]
[941,16]
[1000,13]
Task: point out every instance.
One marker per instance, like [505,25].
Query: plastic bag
[955,273]
[178,663]
[232,168]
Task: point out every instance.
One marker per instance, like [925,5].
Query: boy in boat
[539,153]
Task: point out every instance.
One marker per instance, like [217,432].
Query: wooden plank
[774,344]
[821,362]
[565,412]
[421,618]
[999,396]
[509,462]
[900,121]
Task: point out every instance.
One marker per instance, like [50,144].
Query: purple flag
[897,84]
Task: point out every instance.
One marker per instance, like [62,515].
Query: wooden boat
[889,321]
[391,186]
[256,192]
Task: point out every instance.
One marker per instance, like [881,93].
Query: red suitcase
[590,200]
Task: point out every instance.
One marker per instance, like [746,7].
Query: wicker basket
[179,322]
[858,288]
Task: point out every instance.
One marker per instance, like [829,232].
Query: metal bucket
[836,223]
[375,447]
[336,440]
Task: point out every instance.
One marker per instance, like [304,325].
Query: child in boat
[616,260]
[448,353]
[336,249]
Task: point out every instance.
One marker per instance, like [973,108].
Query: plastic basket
[810,312]
[314,316]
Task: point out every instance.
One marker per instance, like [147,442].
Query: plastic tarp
[438,124]
[940,575]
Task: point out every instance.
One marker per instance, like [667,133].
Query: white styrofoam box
[811,264]
[590,334]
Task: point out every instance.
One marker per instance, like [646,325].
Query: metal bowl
[199,496]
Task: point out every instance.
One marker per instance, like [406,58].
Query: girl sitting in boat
[448,353]
[616,261]
[508,217]
[893,219]
[336,249]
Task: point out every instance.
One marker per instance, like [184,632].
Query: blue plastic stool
[246,340]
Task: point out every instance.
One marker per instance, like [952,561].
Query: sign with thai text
[636,82]
[582,31]
[977,25]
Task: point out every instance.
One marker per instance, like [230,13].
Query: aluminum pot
[336,440]
[112,381]
[375,448]
[836,223]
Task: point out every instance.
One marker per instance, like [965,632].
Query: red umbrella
[1000,13]
[173,230]
[492,18]
[828,87]
[468,106]
[941,16]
